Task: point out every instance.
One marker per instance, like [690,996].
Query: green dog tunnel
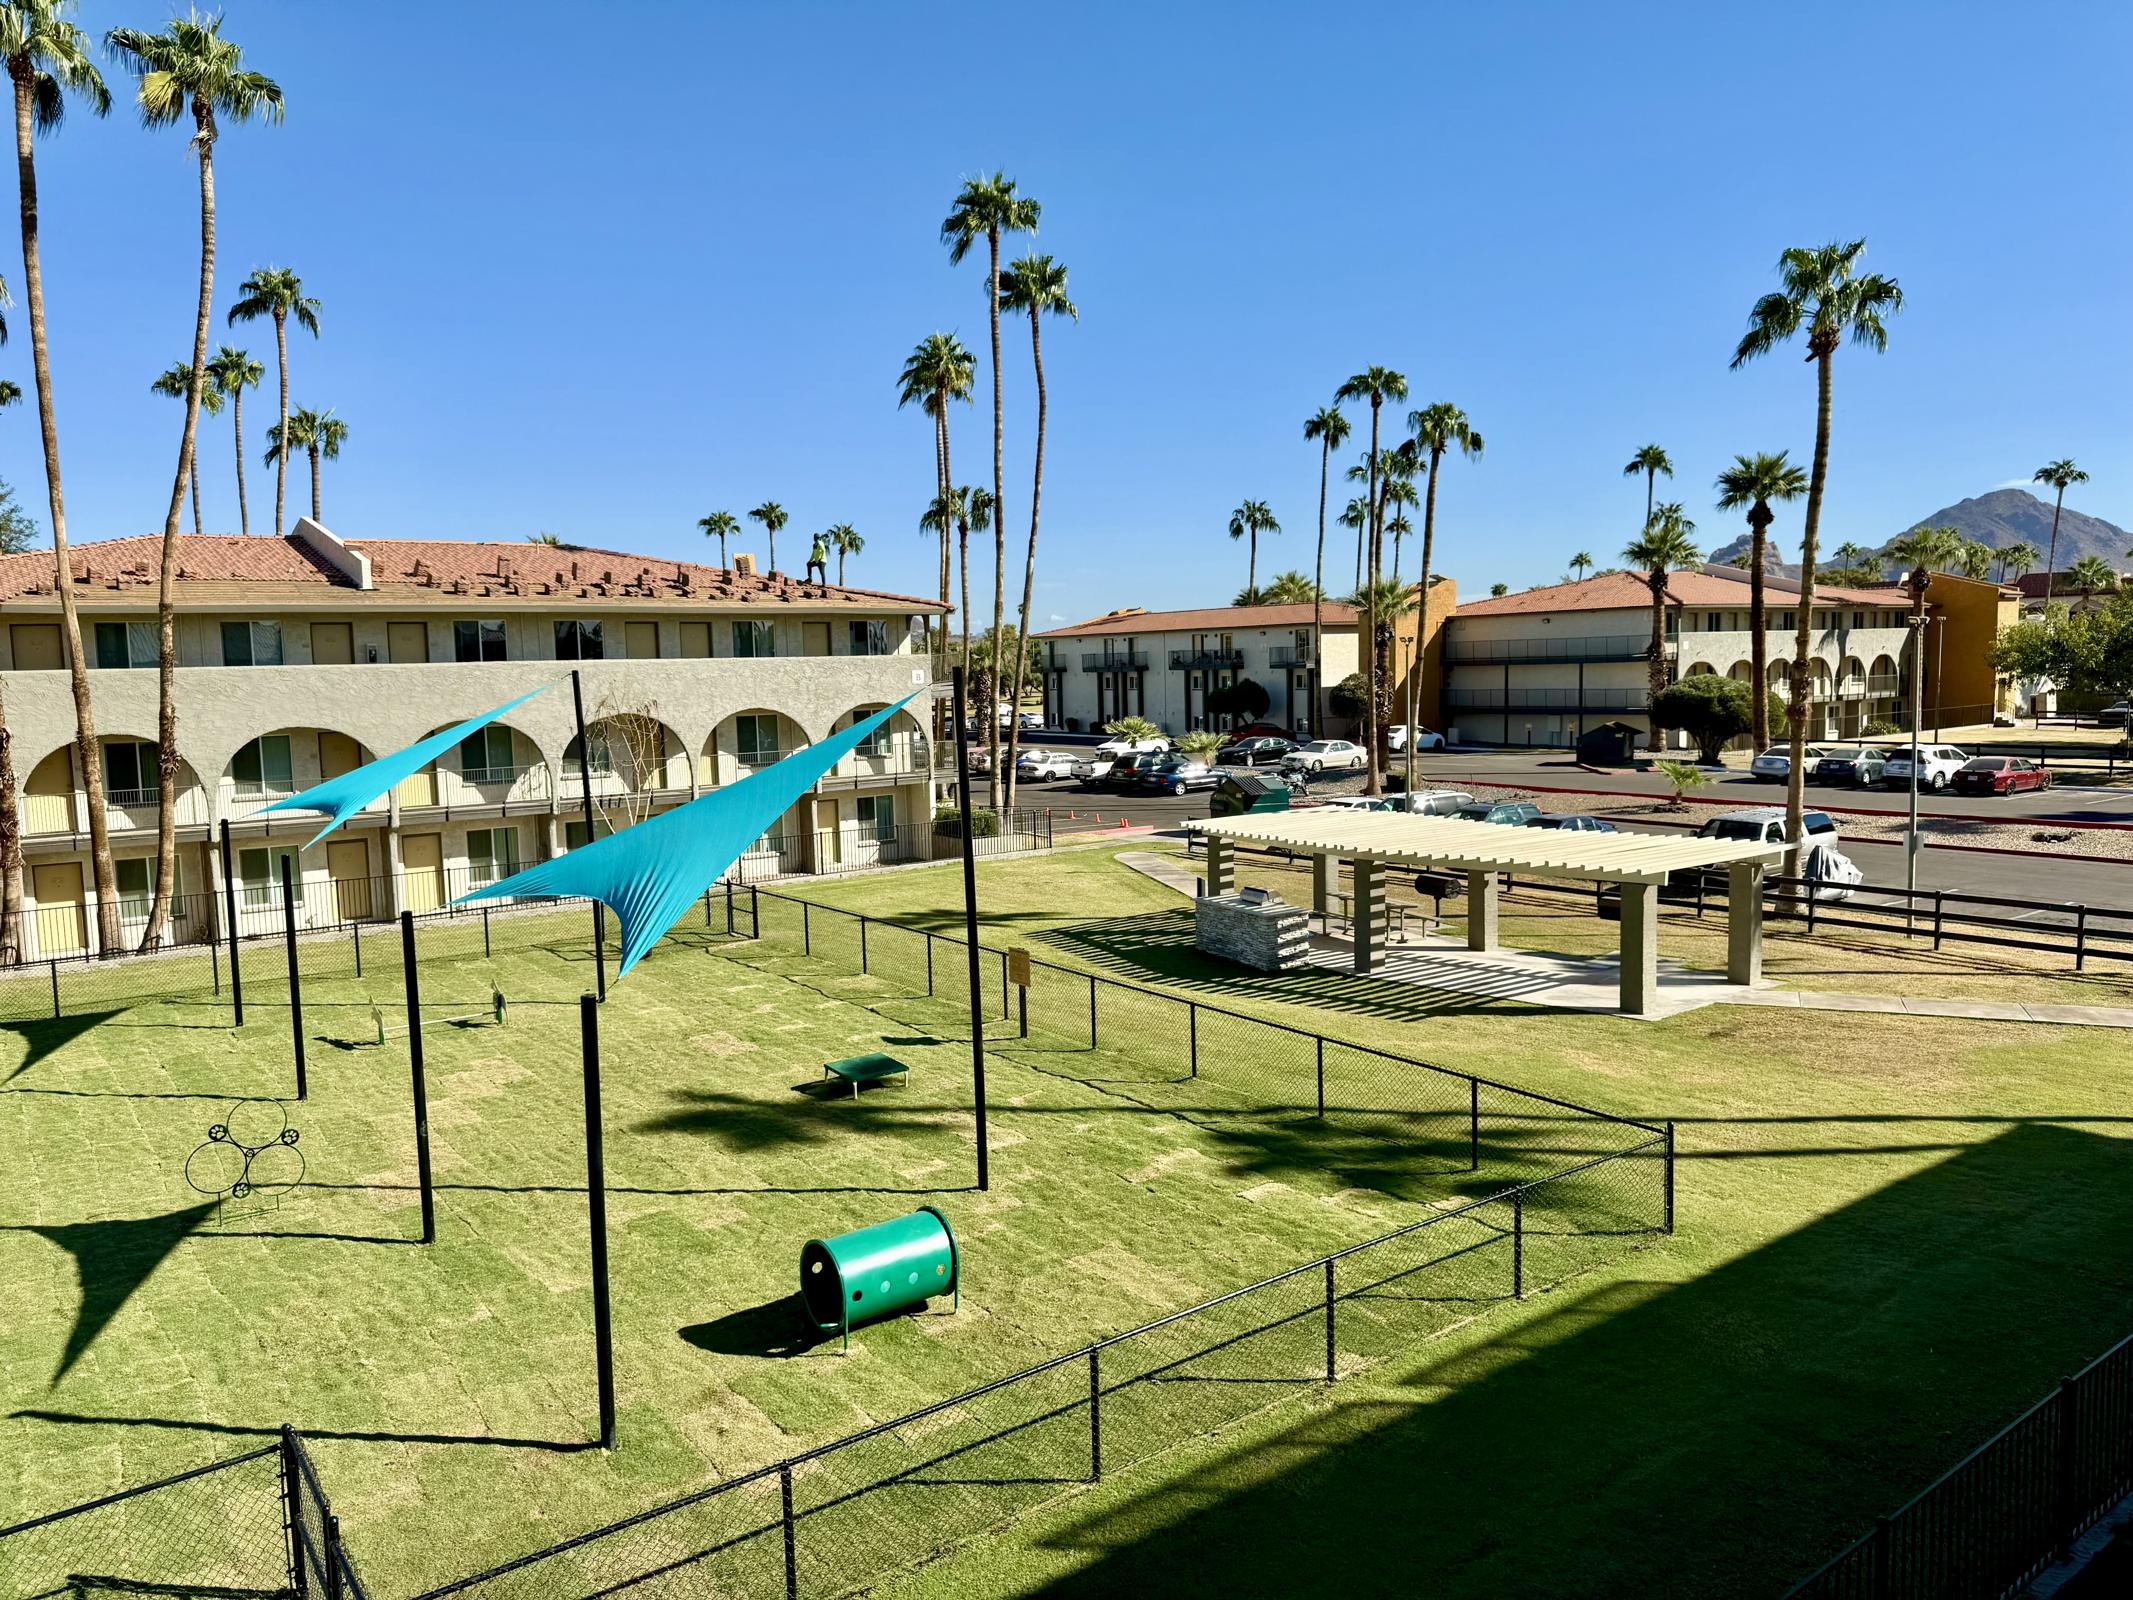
[878,1271]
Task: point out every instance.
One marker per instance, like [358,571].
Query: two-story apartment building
[303,656]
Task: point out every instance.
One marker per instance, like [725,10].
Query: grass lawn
[1895,1233]
[447,1391]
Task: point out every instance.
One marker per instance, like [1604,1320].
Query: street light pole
[1918,714]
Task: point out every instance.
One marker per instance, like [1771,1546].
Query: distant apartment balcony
[1205,660]
[1510,652]
[1539,699]
[1105,661]
[1288,655]
[873,772]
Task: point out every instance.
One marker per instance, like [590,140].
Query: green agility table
[870,1068]
[877,1271]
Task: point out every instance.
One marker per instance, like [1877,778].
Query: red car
[1999,775]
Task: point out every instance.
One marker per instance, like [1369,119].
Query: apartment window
[482,640]
[578,641]
[877,816]
[755,736]
[875,744]
[259,876]
[870,638]
[755,640]
[485,755]
[125,644]
[136,883]
[251,644]
[492,853]
[574,834]
[1787,621]
[130,774]
[262,767]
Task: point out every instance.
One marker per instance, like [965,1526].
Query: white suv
[1937,763]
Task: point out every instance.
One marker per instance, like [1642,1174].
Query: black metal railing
[1997,1518]
[1604,647]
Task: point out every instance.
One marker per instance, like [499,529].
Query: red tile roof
[1333,613]
[1614,591]
[420,570]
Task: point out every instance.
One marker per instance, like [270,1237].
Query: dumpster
[1240,793]
[877,1271]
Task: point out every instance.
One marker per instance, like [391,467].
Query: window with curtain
[875,744]
[753,639]
[249,644]
[870,638]
[492,853]
[479,640]
[130,773]
[877,816]
[578,641]
[125,644]
[262,767]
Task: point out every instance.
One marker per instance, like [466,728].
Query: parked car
[1089,768]
[1859,765]
[1326,755]
[1126,770]
[1396,738]
[1831,870]
[1513,813]
[1999,775]
[1775,764]
[1429,802]
[2118,714]
[1043,766]
[1262,730]
[1937,763]
[1766,825]
[1260,750]
[1128,747]
[1574,822]
[1176,775]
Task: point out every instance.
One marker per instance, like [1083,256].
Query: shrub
[1880,728]
[1346,698]
[1684,776]
[948,823]
[1708,708]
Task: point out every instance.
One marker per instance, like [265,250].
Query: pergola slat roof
[1455,844]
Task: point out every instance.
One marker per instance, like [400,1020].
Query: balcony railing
[1205,660]
[1101,661]
[1517,699]
[1602,647]
[1288,655]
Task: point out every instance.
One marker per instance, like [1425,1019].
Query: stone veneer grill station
[1375,841]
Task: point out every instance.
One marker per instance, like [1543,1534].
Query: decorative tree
[1709,709]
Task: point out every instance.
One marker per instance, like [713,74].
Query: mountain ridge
[1996,519]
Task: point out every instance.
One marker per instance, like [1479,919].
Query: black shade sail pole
[421,1085]
[970,925]
[585,782]
[229,911]
[596,1196]
[296,977]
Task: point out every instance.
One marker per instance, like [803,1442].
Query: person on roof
[818,559]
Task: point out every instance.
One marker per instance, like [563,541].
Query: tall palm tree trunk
[85,743]
[840,568]
[1655,669]
[2051,559]
[1368,647]
[1758,643]
[318,515]
[1318,585]
[166,599]
[281,458]
[999,534]
[10,850]
[1251,567]
[1803,633]
[244,518]
[1429,552]
[1029,564]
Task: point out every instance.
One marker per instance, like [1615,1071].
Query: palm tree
[277,292]
[984,209]
[47,55]
[1285,589]
[1824,295]
[1249,521]
[937,371]
[1974,558]
[846,541]
[1329,426]
[1436,429]
[1665,546]
[316,433]
[554,541]
[2019,557]
[1379,606]
[177,382]
[1846,554]
[1754,481]
[772,516]
[2061,475]
[2090,574]
[970,507]
[1936,549]
[720,525]
[189,70]
[1038,285]
[1376,385]
[232,372]
[1399,527]
[1581,563]
[1653,462]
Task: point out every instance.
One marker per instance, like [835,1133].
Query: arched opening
[862,813]
[1702,669]
[491,765]
[276,765]
[742,745]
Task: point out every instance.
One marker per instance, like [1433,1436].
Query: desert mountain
[1998,519]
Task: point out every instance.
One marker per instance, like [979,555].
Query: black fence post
[292,1516]
[333,1556]
[862,946]
[1022,1011]
[1096,1426]
[1518,1244]
[729,908]
[792,1554]
[229,901]
[421,1087]
[807,937]
[596,1195]
[296,977]
[1329,1320]
[54,965]
[1473,1124]
[755,914]
[1092,1011]
[929,966]
[970,930]
[355,932]
[1670,1177]
[485,930]
[2068,1422]
[1810,906]
[1321,1043]
[1940,899]
[1192,1034]
[1004,1009]
[2081,937]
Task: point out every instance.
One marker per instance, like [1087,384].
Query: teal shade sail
[651,874]
[349,793]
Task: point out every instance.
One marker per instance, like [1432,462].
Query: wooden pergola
[1375,842]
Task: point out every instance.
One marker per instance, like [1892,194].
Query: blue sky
[603,269]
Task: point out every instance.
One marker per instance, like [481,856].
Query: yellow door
[36,646]
[696,640]
[337,753]
[332,644]
[420,788]
[348,869]
[61,930]
[643,640]
[407,641]
[48,798]
[829,843]
[422,871]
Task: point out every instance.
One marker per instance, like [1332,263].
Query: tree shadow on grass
[1719,1436]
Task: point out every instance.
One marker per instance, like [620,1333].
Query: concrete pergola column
[1370,915]
[1481,911]
[1221,867]
[1640,948]
[1744,922]
[1325,883]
